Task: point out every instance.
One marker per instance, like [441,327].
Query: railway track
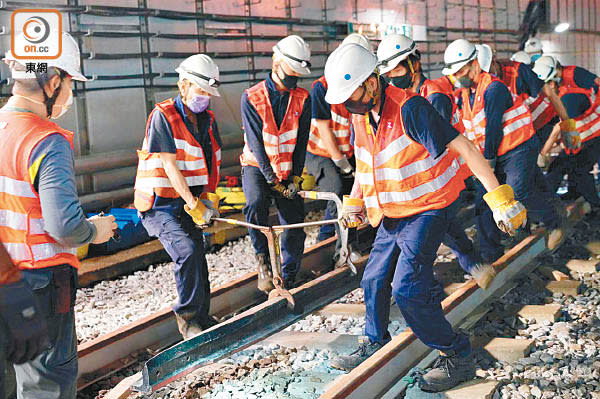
[400,355]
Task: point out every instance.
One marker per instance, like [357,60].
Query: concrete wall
[120,46]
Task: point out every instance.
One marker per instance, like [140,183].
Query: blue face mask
[535,57]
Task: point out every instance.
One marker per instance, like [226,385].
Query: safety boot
[365,349]
[448,372]
[188,324]
[484,274]
[265,277]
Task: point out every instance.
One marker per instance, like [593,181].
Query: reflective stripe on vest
[588,124]
[340,125]
[21,225]
[151,177]
[279,142]
[517,124]
[397,176]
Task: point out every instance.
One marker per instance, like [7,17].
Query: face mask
[198,103]
[65,107]
[288,81]
[358,107]
[464,82]
[535,57]
[402,82]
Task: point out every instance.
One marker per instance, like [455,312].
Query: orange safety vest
[151,178]
[445,87]
[279,142]
[340,125]
[21,221]
[397,176]
[587,124]
[517,126]
[540,107]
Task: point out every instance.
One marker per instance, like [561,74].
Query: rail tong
[265,319]
[273,234]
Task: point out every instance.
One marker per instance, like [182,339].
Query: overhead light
[563,26]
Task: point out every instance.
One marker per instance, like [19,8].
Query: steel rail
[112,351]
[374,377]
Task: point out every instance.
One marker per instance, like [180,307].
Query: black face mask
[402,82]
[464,82]
[288,81]
[358,107]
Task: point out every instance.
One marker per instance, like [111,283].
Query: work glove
[279,188]
[206,208]
[352,212]
[570,136]
[293,187]
[544,161]
[344,166]
[509,214]
[27,332]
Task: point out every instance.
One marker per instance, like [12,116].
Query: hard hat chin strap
[49,101]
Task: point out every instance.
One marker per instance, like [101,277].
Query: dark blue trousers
[517,168]
[401,264]
[258,200]
[328,178]
[578,168]
[185,245]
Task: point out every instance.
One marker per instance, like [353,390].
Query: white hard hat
[394,49]
[522,57]
[357,38]
[346,69]
[545,68]
[533,45]
[69,61]
[484,56]
[201,70]
[458,54]
[295,52]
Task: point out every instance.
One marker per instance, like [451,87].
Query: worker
[177,175]
[23,329]
[42,222]
[501,127]
[276,119]
[409,184]
[522,57]
[533,47]
[543,103]
[577,89]
[400,62]
[330,155]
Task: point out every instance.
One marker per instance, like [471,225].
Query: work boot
[484,274]
[265,278]
[208,322]
[365,349]
[448,372]
[188,324]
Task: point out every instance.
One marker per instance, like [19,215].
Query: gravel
[111,304]
[564,363]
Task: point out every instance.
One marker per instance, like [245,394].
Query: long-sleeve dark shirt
[253,126]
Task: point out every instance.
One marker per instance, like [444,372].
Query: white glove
[343,165]
[544,161]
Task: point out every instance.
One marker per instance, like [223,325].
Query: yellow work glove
[509,214]
[278,188]
[293,187]
[570,136]
[352,212]
[206,208]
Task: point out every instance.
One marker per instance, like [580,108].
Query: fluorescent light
[563,26]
